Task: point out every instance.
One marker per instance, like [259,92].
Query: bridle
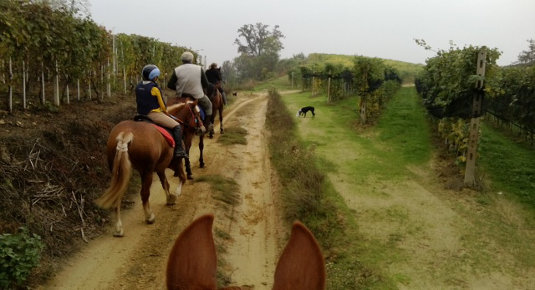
[195,120]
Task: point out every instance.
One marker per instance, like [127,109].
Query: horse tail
[121,172]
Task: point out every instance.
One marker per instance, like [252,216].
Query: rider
[150,103]
[213,74]
[189,79]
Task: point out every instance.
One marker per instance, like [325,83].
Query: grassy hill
[406,70]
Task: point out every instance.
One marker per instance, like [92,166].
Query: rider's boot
[179,149]
[208,123]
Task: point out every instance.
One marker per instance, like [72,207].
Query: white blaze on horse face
[197,109]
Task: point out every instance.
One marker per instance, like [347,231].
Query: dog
[304,110]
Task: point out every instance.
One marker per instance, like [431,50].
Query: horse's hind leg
[146,179]
[119,231]
[182,177]
[171,199]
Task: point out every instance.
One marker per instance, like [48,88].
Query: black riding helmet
[150,72]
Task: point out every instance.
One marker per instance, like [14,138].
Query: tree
[528,56]
[259,51]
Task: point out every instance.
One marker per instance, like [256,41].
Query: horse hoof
[201,165]
[190,177]
[171,200]
[118,234]
[151,220]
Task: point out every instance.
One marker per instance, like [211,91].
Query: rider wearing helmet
[150,103]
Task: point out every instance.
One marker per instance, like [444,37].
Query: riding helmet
[150,72]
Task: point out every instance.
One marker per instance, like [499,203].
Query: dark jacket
[214,75]
[146,102]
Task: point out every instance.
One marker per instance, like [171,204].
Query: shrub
[19,254]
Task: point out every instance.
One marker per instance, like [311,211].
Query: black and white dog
[304,110]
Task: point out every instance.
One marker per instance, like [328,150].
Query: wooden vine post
[10,101]
[329,88]
[363,99]
[473,139]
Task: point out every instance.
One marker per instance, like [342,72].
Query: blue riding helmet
[150,72]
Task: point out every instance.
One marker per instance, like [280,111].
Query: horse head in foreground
[192,263]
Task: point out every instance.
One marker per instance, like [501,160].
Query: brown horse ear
[301,265]
[192,263]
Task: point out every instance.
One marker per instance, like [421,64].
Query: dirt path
[138,260]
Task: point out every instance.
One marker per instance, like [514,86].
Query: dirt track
[138,260]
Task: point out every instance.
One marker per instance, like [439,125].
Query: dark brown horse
[139,145]
[192,263]
[217,107]
[190,129]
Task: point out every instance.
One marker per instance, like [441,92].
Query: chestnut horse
[192,263]
[190,129]
[217,107]
[141,146]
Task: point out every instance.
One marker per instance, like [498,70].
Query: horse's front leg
[188,167]
[201,148]
[221,120]
[119,231]
[171,199]
[146,179]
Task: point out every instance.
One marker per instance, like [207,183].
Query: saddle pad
[166,135]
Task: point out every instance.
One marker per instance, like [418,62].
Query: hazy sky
[374,28]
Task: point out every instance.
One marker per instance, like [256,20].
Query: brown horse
[190,129]
[192,263]
[217,106]
[141,146]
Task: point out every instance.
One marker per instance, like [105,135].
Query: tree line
[48,53]
[369,78]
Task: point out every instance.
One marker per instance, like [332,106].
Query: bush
[19,254]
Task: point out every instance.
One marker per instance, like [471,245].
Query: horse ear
[192,263]
[301,265]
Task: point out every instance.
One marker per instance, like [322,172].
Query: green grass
[509,165]
[310,197]
[233,135]
[403,126]
[224,189]
[493,234]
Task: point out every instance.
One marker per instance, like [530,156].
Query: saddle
[166,133]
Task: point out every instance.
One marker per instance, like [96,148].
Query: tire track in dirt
[138,260]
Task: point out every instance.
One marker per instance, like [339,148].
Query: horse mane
[175,107]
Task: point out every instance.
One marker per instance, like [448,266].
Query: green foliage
[369,74]
[19,254]
[512,95]
[448,81]
[51,40]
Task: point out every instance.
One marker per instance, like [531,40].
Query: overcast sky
[373,28]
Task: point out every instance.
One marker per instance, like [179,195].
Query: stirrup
[181,154]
